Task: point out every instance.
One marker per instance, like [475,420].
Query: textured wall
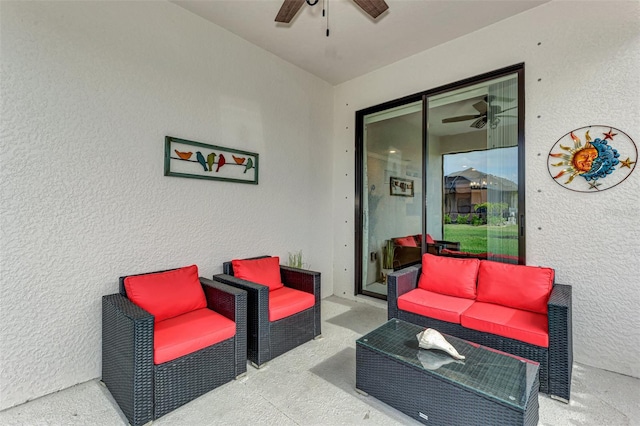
[89,90]
[581,65]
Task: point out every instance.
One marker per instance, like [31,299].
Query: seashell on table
[432,339]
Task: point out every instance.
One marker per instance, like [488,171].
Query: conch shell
[432,339]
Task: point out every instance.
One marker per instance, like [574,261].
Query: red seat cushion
[450,276]
[265,271]
[286,301]
[409,241]
[515,286]
[190,332]
[167,294]
[529,327]
[434,305]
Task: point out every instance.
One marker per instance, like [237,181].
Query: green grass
[473,239]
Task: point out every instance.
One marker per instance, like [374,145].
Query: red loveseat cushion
[430,239]
[434,305]
[167,294]
[448,275]
[286,301]
[529,327]
[409,241]
[265,271]
[190,332]
[515,286]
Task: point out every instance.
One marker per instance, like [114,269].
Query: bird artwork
[200,159]
[211,158]
[249,165]
[221,162]
[184,155]
[238,160]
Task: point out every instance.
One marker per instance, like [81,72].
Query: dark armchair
[280,317]
[407,251]
[155,362]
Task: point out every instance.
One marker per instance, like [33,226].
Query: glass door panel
[472,200]
[391,194]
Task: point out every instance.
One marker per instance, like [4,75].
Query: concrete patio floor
[314,384]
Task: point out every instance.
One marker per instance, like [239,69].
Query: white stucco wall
[89,91]
[581,68]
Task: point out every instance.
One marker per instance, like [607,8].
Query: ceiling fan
[485,109]
[289,8]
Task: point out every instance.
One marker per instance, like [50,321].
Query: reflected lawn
[473,239]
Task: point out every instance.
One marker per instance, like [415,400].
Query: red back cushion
[450,276]
[406,241]
[265,271]
[515,286]
[167,294]
[430,239]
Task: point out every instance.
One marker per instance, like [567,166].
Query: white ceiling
[357,44]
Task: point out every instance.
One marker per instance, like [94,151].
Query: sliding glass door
[441,172]
[391,191]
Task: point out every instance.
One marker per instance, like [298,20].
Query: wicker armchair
[556,361]
[145,390]
[268,339]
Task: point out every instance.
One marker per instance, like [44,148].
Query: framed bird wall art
[198,160]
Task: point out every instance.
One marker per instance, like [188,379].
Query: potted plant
[295,260]
[387,260]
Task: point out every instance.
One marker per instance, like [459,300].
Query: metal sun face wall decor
[592,158]
[197,160]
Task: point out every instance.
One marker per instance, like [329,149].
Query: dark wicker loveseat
[269,339]
[145,391]
[556,361]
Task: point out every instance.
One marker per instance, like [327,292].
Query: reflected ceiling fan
[289,8]
[487,110]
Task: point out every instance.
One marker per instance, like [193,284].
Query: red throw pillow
[265,271]
[406,241]
[167,294]
[515,286]
[450,276]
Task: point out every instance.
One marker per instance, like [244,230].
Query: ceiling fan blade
[479,123]
[493,98]
[460,118]
[288,10]
[481,107]
[373,7]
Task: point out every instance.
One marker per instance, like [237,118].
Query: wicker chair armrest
[232,303]
[301,279]
[225,299]
[248,286]
[126,307]
[450,245]
[560,342]
[399,283]
[560,296]
[127,356]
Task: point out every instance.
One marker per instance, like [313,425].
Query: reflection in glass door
[391,194]
[473,186]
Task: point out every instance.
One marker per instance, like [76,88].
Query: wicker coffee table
[488,388]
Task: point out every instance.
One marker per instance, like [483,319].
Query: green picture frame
[197,160]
